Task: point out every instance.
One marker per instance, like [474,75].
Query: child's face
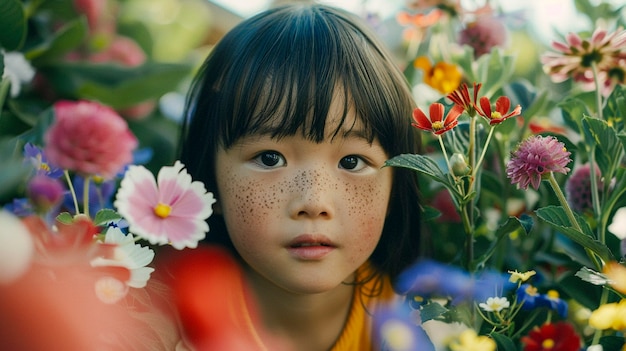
[304,216]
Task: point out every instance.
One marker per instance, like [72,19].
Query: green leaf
[504,342]
[12,25]
[65,218]
[425,165]
[105,216]
[599,133]
[614,111]
[573,110]
[117,86]
[556,217]
[591,276]
[584,293]
[66,39]
[511,225]
[431,310]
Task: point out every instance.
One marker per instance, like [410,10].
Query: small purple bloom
[44,192]
[37,158]
[20,207]
[535,157]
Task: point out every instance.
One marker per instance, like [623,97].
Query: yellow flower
[469,341]
[520,277]
[444,77]
[609,316]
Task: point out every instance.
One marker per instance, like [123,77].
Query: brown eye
[352,162]
[270,159]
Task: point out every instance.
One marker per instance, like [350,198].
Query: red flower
[462,98]
[89,138]
[500,113]
[436,123]
[552,337]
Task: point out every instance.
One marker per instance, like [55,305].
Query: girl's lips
[310,247]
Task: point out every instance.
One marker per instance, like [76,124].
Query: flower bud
[458,165]
[44,192]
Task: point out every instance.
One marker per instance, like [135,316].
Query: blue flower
[528,295]
[39,161]
[552,300]
[396,330]
[429,278]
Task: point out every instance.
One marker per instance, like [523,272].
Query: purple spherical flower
[483,35]
[578,187]
[535,157]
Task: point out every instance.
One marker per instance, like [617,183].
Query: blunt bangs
[283,79]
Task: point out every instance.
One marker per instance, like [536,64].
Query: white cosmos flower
[618,224]
[17,70]
[495,304]
[127,254]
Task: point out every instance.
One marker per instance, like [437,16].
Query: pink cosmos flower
[171,209]
[436,123]
[535,157]
[575,57]
[502,112]
[89,138]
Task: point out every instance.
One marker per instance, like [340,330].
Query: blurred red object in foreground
[214,306]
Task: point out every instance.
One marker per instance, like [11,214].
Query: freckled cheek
[367,206]
[246,203]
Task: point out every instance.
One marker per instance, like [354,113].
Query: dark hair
[295,59]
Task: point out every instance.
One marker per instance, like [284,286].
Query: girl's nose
[313,194]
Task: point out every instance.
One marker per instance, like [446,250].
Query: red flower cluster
[559,336]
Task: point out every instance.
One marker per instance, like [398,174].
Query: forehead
[315,118]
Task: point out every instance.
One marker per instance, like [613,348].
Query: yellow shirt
[357,332]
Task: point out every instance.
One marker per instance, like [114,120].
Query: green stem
[445,154]
[571,217]
[482,154]
[563,201]
[4,90]
[596,80]
[595,198]
[72,191]
[86,195]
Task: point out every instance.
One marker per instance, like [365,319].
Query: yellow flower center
[437,125]
[45,167]
[553,294]
[547,344]
[531,290]
[496,115]
[162,210]
[97,179]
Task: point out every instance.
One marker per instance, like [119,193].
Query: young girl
[289,123]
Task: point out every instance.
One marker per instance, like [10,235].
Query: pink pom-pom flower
[89,138]
[535,157]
